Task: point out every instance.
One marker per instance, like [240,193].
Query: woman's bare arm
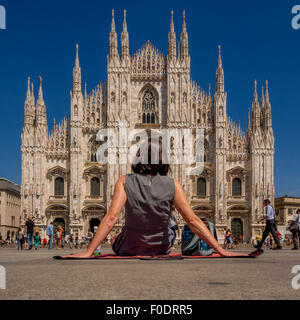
[194,223]
[110,219]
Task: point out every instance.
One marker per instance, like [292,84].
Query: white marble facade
[61,178]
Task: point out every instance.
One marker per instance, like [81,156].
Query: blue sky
[257,41]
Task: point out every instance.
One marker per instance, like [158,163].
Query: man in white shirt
[270,226]
[295,229]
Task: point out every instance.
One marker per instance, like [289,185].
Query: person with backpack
[193,245]
[295,229]
[270,226]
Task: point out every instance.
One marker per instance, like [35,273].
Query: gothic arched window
[148,107]
[201,187]
[152,118]
[95,186]
[59,186]
[236,187]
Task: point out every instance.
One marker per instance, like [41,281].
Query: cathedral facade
[62,181]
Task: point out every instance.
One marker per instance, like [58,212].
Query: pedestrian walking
[36,239]
[268,243]
[59,234]
[8,238]
[241,240]
[295,229]
[229,239]
[65,240]
[236,240]
[20,239]
[71,241]
[289,240]
[108,238]
[270,225]
[26,245]
[29,230]
[50,234]
[83,243]
[76,241]
[258,239]
[89,237]
[271,242]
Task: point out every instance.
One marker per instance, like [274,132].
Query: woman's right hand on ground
[225,253]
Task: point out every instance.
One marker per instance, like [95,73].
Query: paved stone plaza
[34,275]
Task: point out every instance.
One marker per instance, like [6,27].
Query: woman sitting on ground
[148,195]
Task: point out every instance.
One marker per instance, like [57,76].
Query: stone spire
[255,109]
[32,95]
[125,40]
[184,41]
[262,109]
[220,82]
[262,100]
[77,73]
[249,119]
[85,91]
[28,94]
[29,108]
[40,101]
[268,115]
[41,117]
[172,40]
[113,41]
[267,97]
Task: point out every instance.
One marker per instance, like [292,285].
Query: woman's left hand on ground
[82,255]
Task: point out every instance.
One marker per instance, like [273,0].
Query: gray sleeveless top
[147,214]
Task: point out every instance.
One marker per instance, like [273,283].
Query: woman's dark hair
[267,201]
[149,165]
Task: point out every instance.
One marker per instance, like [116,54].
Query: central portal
[94,222]
[237,227]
